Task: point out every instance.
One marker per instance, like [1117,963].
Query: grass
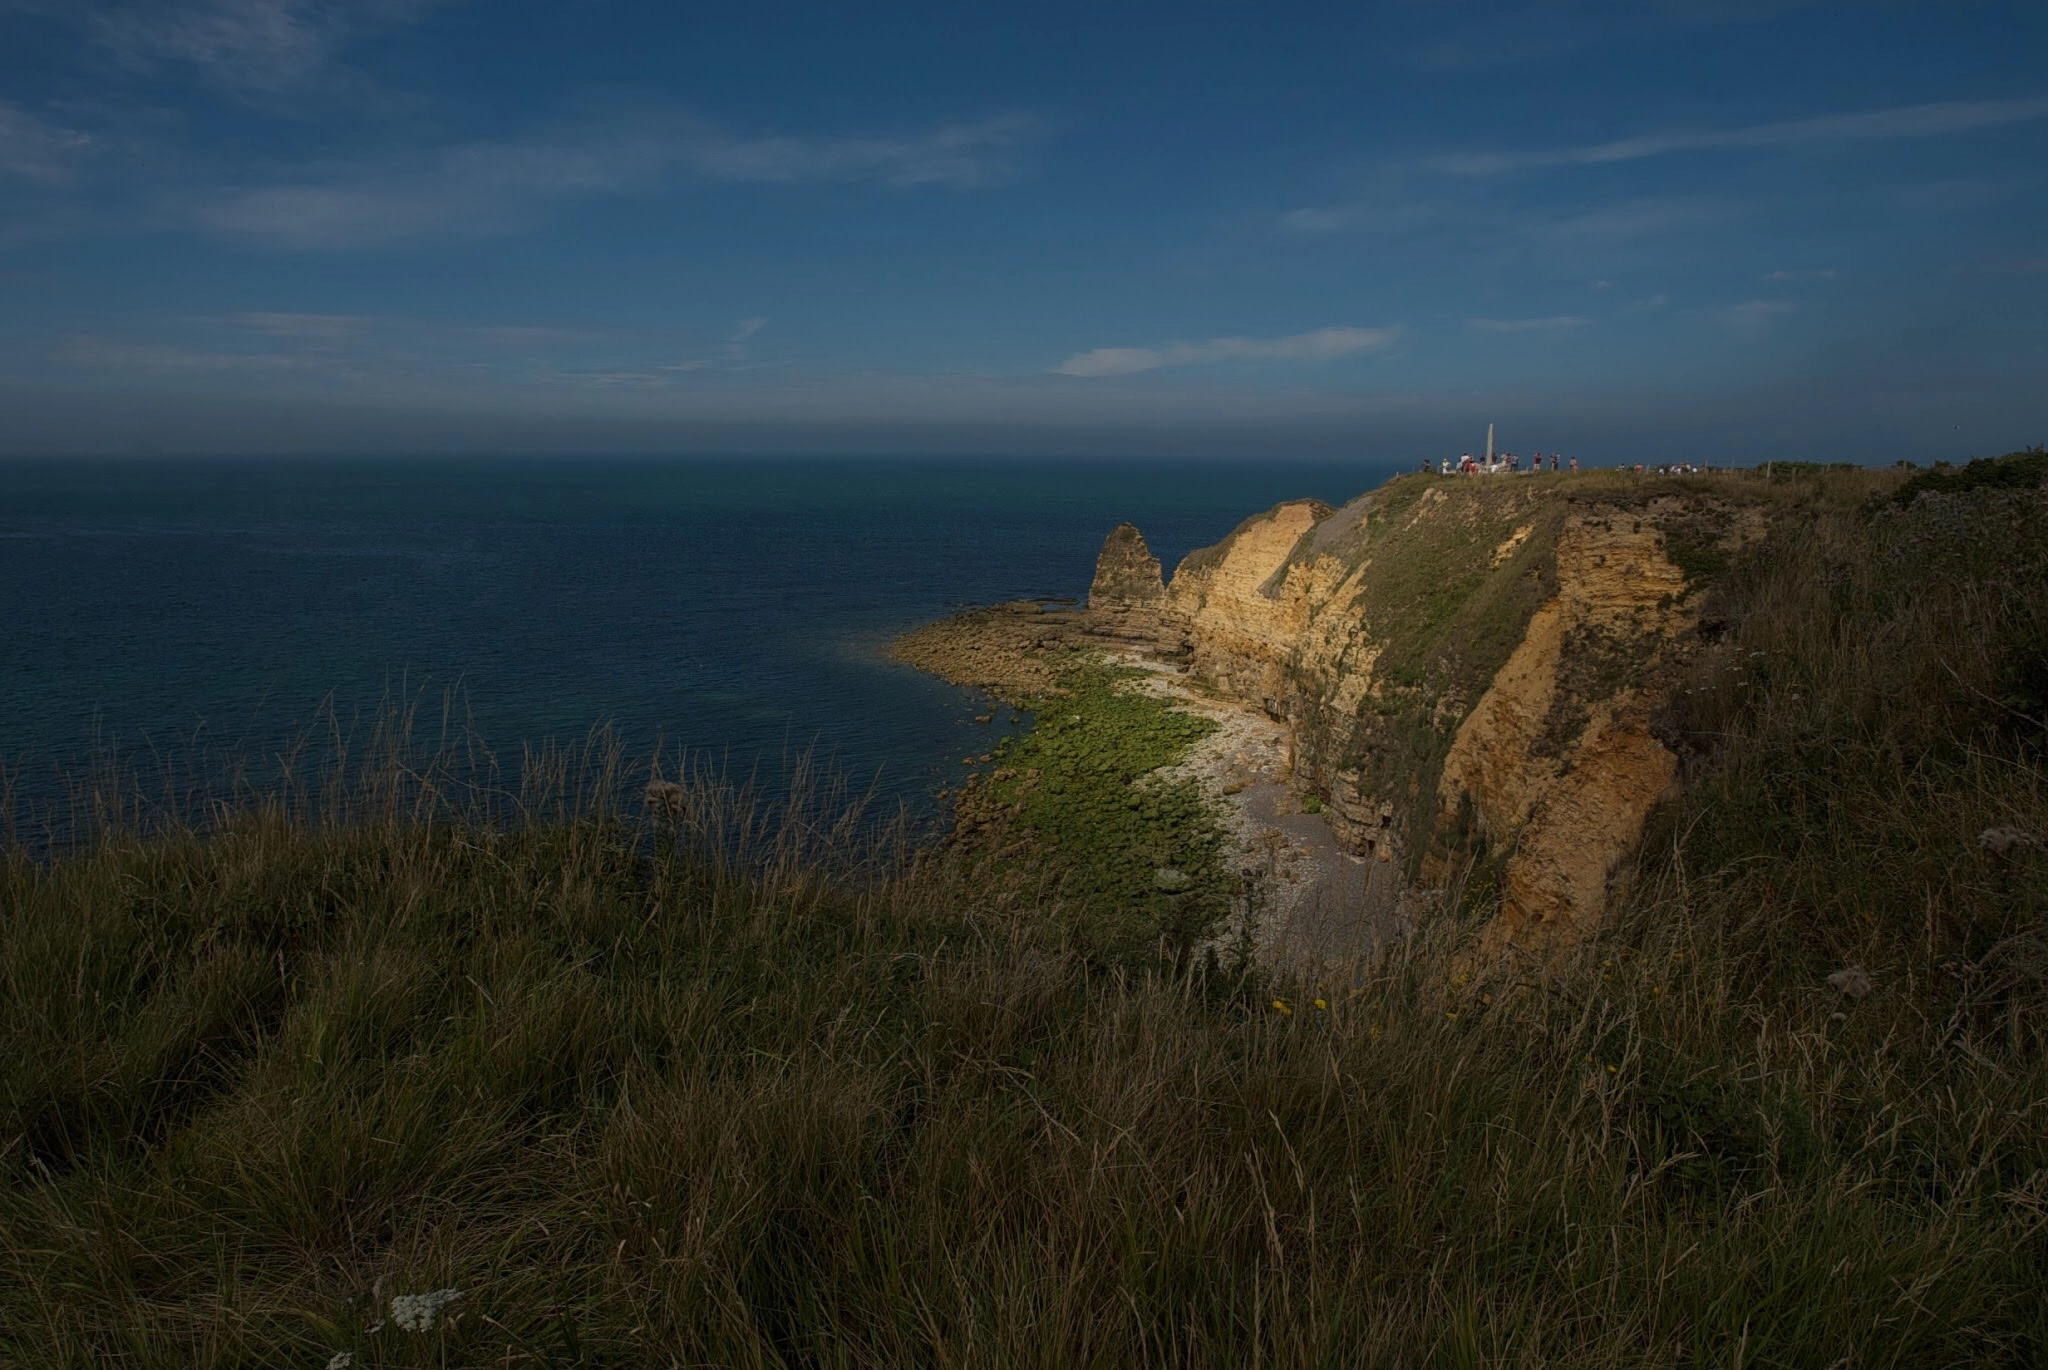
[699,1090]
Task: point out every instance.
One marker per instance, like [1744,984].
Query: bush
[2014,471]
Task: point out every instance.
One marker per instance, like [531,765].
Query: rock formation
[1128,592]
[1469,669]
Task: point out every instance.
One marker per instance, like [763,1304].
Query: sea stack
[1128,591]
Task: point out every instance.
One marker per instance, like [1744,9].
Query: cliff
[1471,670]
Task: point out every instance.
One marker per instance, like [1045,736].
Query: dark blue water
[733,607]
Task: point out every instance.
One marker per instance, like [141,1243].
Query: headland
[1446,686]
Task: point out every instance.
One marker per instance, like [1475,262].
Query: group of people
[1507,463]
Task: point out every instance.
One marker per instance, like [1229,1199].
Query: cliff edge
[1470,670]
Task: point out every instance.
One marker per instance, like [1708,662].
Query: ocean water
[736,608]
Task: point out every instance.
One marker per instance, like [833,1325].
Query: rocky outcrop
[1015,651]
[1128,592]
[1468,668]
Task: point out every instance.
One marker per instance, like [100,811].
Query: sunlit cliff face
[1470,670]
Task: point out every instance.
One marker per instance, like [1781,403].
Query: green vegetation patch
[1694,542]
[1447,616]
[2013,471]
[1138,857]
[1594,664]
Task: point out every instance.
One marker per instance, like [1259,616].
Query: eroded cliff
[1470,669]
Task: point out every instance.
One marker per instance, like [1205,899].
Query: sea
[181,612]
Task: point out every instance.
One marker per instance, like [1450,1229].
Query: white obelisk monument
[1489,444]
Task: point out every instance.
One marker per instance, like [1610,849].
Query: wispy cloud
[363,353]
[334,332]
[328,329]
[256,45]
[1903,122]
[490,188]
[1478,220]
[963,156]
[736,345]
[1323,344]
[101,353]
[1824,273]
[1556,323]
[1628,219]
[1387,216]
[1754,316]
[36,149]
[1515,34]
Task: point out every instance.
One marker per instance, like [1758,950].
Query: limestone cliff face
[1242,635]
[1557,756]
[1469,668]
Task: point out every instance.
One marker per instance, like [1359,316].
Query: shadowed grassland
[685,1091]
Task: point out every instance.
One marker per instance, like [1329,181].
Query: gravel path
[1313,906]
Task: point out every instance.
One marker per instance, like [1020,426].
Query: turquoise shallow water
[740,608]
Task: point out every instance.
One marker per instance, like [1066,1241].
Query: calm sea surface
[739,608]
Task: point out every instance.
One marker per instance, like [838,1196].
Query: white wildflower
[1852,981]
[2005,841]
[341,1360]
[418,1312]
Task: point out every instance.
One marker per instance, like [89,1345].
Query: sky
[1733,230]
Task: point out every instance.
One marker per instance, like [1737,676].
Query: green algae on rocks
[1137,857]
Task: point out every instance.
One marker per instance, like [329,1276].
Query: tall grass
[695,1088]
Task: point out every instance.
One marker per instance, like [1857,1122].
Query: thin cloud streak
[266,46]
[1550,29]
[1621,221]
[1905,122]
[493,188]
[357,352]
[1322,344]
[1556,323]
[37,150]
[1754,316]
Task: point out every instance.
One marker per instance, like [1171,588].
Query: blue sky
[1733,229]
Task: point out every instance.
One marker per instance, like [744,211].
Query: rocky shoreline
[1016,651]
[1303,901]
[1441,685]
